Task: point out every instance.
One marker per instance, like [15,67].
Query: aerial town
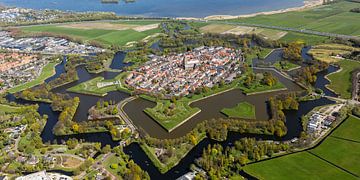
[181,74]
[125,90]
[18,68]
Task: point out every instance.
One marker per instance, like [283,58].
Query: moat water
[161,8]
[210,109]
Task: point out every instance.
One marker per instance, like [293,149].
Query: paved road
[123,115]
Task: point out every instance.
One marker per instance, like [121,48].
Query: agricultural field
[340,81]
[335,158]
[334,18]
[243,110]
[304,38]
[329,52]
[47,71]
[105,33]
[216,28]
[240,30]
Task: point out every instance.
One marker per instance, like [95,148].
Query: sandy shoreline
[307,4]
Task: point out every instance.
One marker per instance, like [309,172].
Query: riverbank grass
[242,110]
[328,52]
[259,88]
[341,81]
[47,71]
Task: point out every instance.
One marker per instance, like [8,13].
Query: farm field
[47,72]
[335,158]
[242,110]
[341,81]
[334,18]
[240,30]
[108,34]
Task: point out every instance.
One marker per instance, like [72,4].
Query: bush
[114,166]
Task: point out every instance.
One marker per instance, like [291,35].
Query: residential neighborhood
[45,45]
[181,74]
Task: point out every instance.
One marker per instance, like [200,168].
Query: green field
[9,109]
[175,116]
[345,154]
[296,166]
[243,110]
[341,81]
[285,66]
[47,72]
[107,37]
[334,18]
[90,87]
[323,162]
[349,129]
[305,38]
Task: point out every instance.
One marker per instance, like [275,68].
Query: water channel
[210,109]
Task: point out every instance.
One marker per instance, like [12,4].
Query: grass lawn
[341,81]
[242,110]
[90,87]
[170,115]
[9,109]
[285,65]
[305,38]
[334,18]
[345,154]
[113,159]
[47,71]
[349,129]
[107,37]
[296,166]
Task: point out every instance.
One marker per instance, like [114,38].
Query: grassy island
[99,86]
[170,115]
[243,110]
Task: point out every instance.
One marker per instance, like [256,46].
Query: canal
[210,109]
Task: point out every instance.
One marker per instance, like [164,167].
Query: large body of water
[161,8]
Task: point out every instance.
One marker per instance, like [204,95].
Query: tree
[106,149]
[293,51]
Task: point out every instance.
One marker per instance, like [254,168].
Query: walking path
[123,115]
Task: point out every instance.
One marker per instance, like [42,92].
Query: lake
[161,8]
